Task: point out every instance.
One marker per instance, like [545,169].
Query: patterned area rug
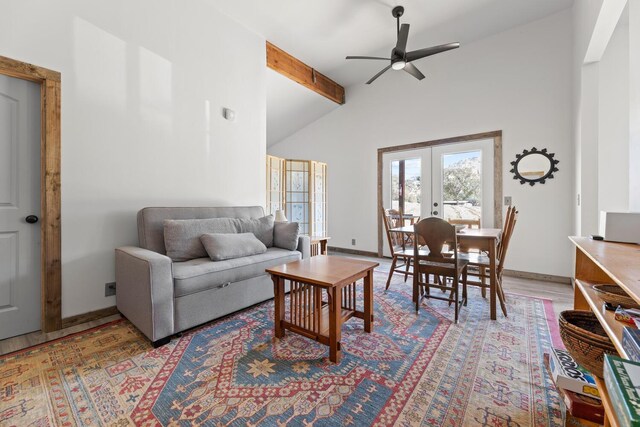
[412,370]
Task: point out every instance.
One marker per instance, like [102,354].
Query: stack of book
[622,378]
[631,343]
[580,399]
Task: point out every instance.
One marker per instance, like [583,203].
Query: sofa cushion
[262,228]
[229,246]
[200,274]
[182,236]
[151,221]
[285,235]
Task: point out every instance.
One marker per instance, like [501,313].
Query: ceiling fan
[400,58]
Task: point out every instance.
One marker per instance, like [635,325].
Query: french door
[451,181]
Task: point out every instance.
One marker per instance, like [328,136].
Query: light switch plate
[507,200]
[109,289]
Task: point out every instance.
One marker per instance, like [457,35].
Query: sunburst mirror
[534,166]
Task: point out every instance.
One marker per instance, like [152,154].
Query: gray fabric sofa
[162,297]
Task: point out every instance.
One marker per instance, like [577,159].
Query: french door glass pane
[395,184]
[412,186]
[406,181]
[462,185]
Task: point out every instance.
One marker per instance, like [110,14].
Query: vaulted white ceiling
[291,106]
[322,33]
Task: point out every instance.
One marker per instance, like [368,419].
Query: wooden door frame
[497,171]
[50,186]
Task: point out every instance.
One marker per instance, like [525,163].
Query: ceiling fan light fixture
[398,65]
[401,59]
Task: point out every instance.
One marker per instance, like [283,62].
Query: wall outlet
[109,289]
[353,242]
[507,200]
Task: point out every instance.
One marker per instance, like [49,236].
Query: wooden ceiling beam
[291,67]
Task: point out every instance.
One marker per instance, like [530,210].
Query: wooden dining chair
[465,223]
[400,252]
[399,219]
[438,233]
[479,262]
[395,221]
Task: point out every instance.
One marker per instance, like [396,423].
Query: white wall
[143,85]
[603,109]
[634,107]
[589,125]
[518,81]
[585,14]
[291,106]
[613,128]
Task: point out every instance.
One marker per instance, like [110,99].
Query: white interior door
[19,198]
[462,181]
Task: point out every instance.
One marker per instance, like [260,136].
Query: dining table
[483,239]
[411,218]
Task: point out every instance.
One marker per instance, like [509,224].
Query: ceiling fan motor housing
[397,11]
[395,56]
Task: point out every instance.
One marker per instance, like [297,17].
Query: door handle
[31,219]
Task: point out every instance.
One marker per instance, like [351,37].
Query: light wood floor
[34,338]
[560,294]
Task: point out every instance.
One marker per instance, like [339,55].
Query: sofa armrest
[304,246]
[144,290]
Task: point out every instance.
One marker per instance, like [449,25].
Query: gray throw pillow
[228,246]
[285,235]
[262,228]
[182,236]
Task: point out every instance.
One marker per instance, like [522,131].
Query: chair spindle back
[391,219]
[507,232]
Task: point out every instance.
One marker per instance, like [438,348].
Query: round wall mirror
[534,166]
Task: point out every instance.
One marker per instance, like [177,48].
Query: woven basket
[585,339]
[615,295]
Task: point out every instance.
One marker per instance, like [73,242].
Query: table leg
[501,297]
[335,324]
[368,301]
[492,279]
[317,292]
[278,291]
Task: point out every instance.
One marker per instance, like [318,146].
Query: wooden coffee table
[310,314]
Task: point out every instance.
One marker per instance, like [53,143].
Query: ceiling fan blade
[379,74]
[403,35]
[367,57]
[413,70]
[428,51]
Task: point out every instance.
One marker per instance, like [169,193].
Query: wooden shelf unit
[606,317]
[605,262]
[609,413]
